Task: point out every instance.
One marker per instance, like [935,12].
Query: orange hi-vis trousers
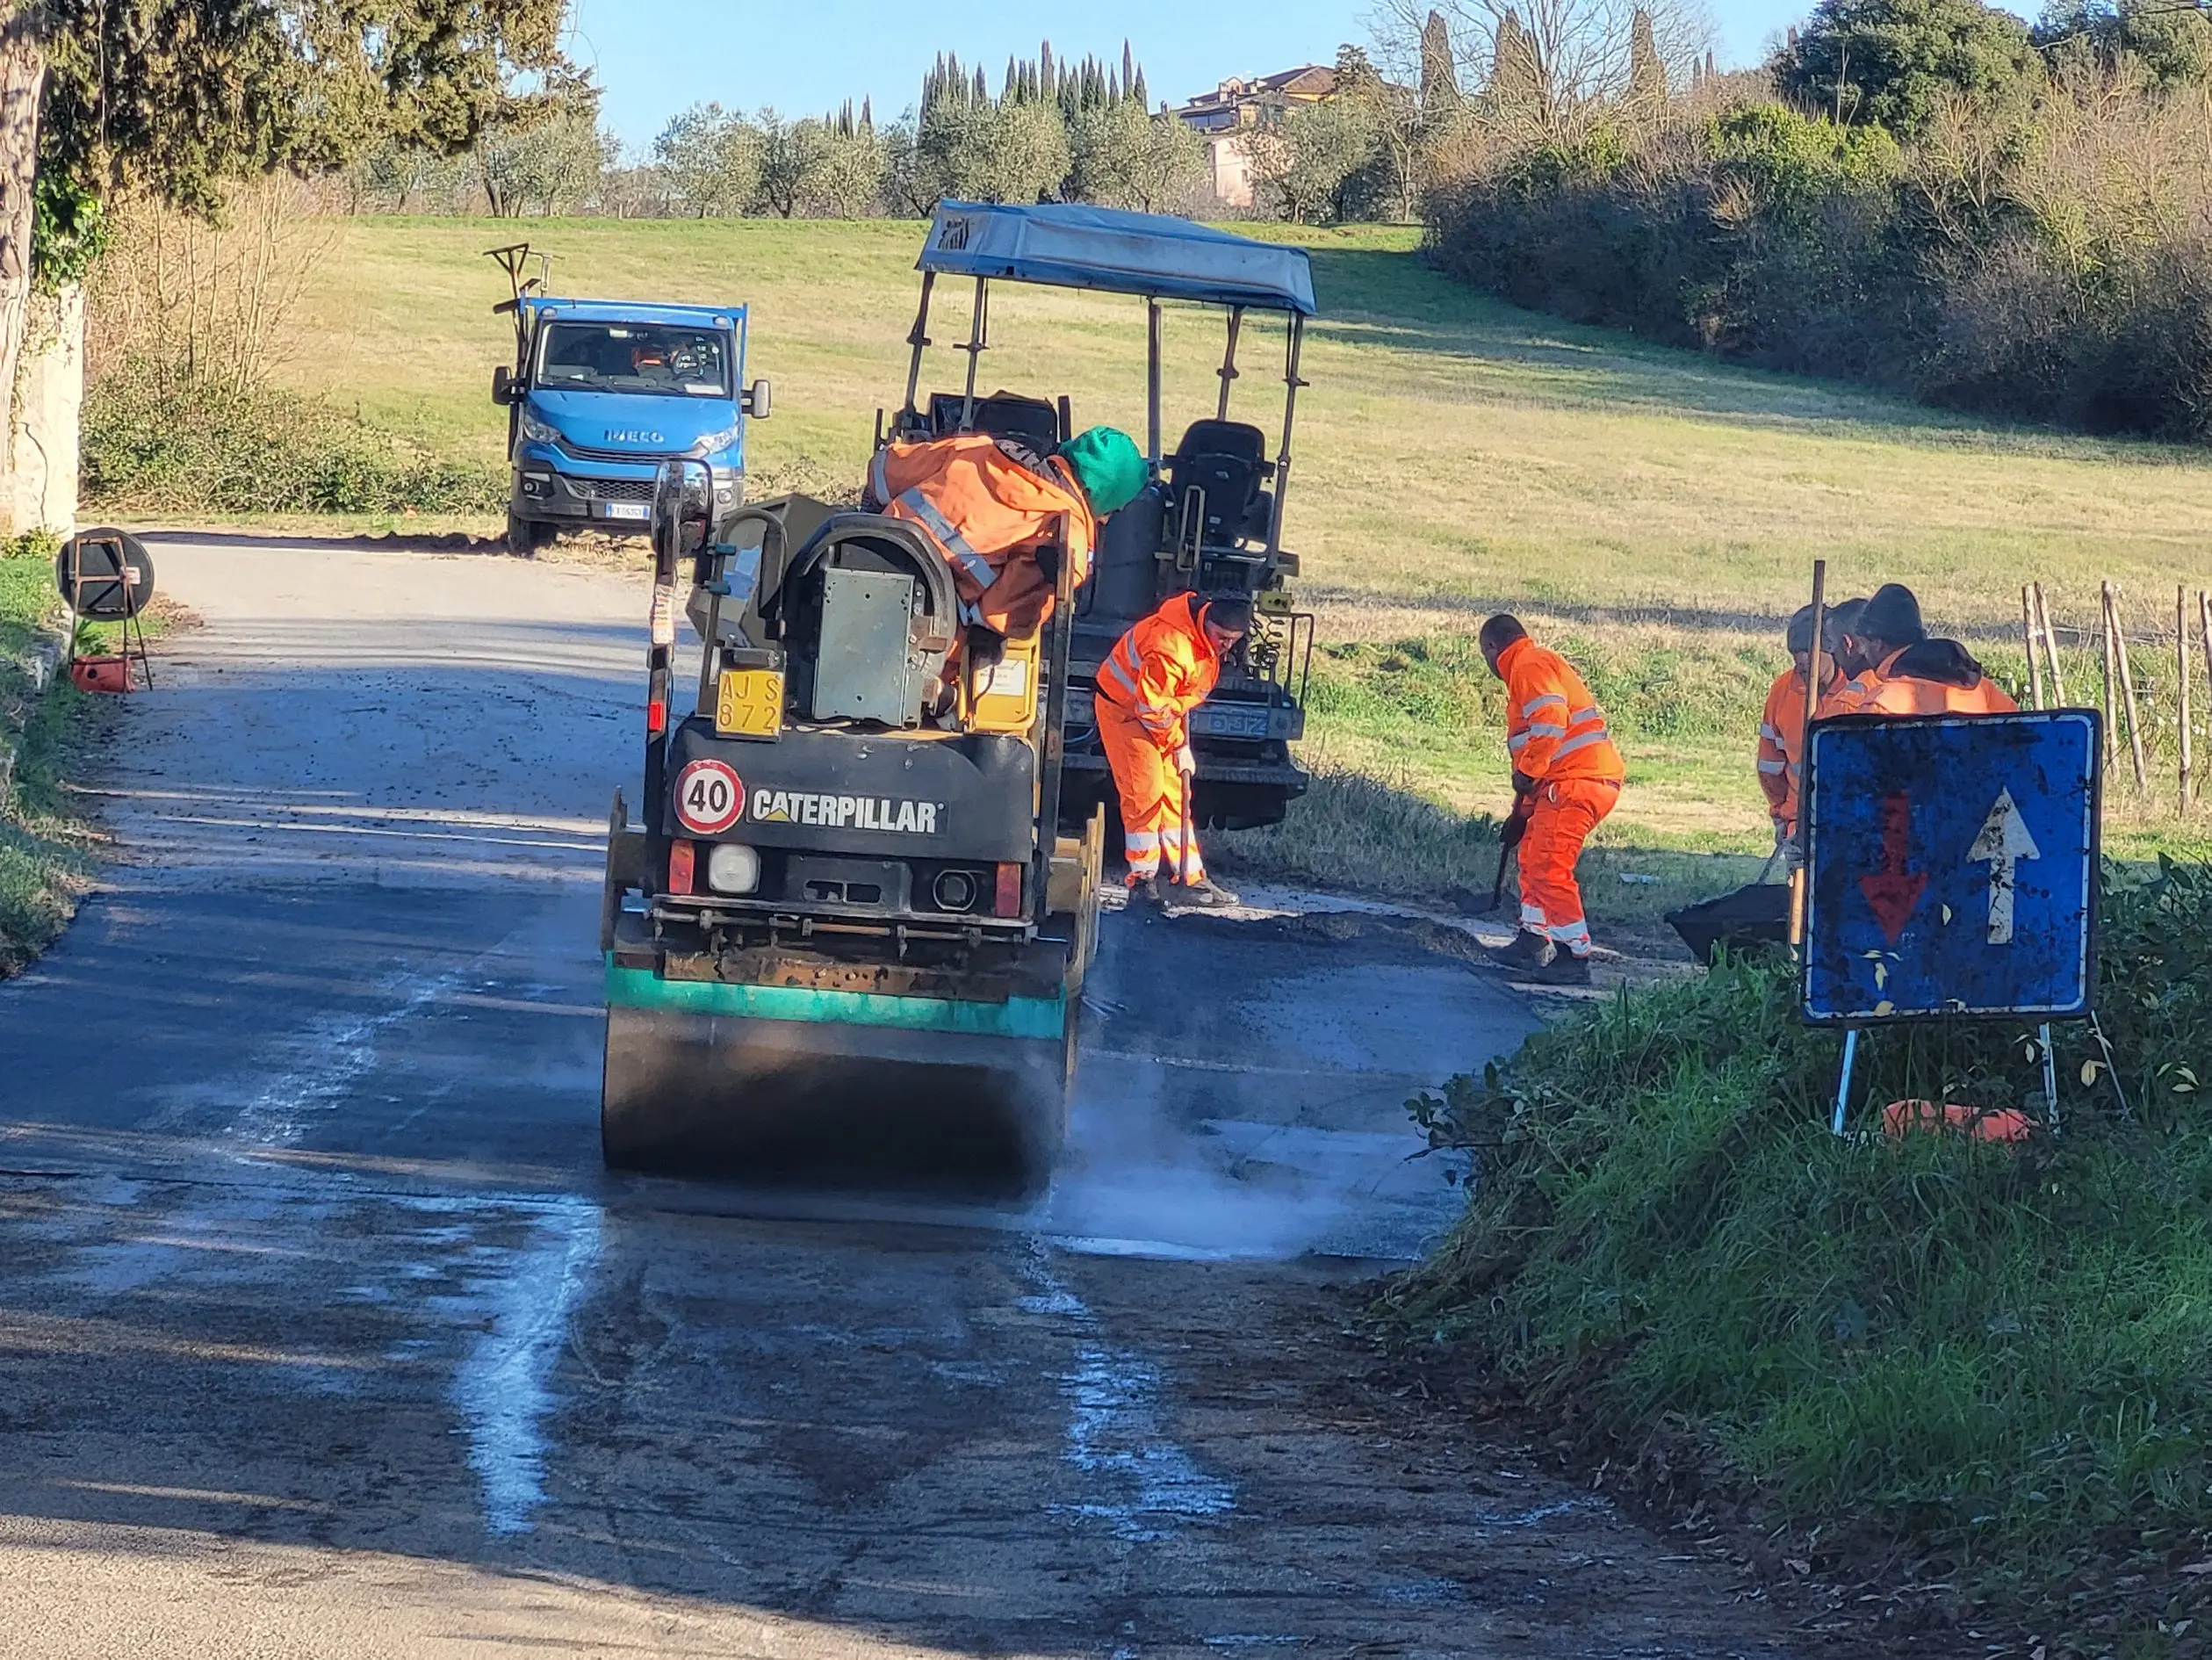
[1152,797]
[1565,814]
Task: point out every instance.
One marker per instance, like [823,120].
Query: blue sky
[656,57]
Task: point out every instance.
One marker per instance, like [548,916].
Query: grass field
[1656,512]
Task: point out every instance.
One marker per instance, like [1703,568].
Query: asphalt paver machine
[844,942]
[1212,520]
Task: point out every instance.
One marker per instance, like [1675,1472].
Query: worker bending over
[991,507]
[1901,671]
[1158,672]
[1567,777]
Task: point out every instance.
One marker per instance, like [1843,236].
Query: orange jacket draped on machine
[1556,735]
[987,507]
[1161,670]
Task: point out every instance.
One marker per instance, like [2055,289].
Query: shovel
[1189,844]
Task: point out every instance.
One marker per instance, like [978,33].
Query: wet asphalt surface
[323,1332]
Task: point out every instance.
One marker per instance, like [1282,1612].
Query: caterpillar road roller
[845,942]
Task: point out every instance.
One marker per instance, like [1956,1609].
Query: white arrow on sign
[2004,841]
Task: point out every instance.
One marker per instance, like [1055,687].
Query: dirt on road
[323,1332]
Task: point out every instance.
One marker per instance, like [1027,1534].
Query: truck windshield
[654,357]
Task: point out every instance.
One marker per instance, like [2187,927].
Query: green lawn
[1656,510]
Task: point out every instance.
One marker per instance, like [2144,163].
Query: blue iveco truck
[602,392]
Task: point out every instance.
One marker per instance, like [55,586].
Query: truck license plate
[625,509]
[749,703]
[1233,723]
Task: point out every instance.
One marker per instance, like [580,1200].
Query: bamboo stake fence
[2143,718]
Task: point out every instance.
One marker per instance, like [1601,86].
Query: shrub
[2052,265]
[155,443]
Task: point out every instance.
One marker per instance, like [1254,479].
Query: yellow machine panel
[1003,697]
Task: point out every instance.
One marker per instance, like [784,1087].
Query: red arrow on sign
[1893,892]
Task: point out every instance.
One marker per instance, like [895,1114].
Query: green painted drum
[1017,1017]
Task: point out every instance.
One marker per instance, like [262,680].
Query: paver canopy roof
[1070,246]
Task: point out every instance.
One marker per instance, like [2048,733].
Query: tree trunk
[22,79]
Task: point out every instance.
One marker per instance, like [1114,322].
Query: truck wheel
[525,537]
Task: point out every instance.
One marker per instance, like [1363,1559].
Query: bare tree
[1555,63]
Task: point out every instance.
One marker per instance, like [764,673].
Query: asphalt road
[323,1333]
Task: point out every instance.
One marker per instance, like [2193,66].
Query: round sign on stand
[107,575]
[709,797]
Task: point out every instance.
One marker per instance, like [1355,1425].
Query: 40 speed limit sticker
[709,797]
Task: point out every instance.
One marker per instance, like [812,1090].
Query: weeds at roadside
[1999,1356]
[155,445]
[45,843]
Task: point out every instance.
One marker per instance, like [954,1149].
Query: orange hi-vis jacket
[1782,745]
[1554,730]
[1935,677]
[987,509]
[1161,669]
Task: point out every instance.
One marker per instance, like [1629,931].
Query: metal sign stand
[137,661]
[1986,945]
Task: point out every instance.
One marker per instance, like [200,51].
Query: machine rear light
[657,716]
[683,864]
[732,868]
[1007,900]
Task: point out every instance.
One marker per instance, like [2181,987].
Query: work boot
[1204,893]
[1143,891]
[1564,969]
[1528,951]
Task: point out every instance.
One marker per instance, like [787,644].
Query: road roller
[845,939]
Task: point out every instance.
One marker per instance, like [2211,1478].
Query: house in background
[1222,116]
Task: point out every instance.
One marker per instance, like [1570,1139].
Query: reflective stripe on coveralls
[1156,674]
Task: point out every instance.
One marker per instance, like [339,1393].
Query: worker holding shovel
[1159,671]
[1567,777]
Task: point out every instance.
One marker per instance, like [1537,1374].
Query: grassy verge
[44,841]
[1996,1358]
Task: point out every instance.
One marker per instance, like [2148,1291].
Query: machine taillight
[683,864]
[657,716]
[1007,900]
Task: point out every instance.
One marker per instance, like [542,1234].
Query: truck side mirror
[504,388]
[758,399]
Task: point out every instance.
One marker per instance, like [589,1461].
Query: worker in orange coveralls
[1782,727]
[1159,671]
[1567,777]
[991,508]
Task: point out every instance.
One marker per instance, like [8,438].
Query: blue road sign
[1953,867]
